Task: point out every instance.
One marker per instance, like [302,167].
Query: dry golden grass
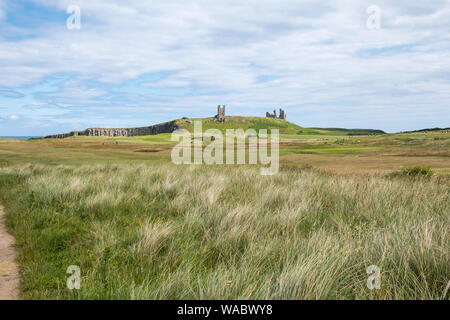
[226,232]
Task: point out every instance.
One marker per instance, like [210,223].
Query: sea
[18,137]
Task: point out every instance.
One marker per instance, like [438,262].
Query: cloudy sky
[137,63]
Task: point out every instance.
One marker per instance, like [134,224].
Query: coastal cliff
[166,127]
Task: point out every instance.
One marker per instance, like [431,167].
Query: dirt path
[9,272]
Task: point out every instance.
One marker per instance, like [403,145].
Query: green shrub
[416,171]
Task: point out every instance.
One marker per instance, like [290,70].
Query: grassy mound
[236,122]
[257,123]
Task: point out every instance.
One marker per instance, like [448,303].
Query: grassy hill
[236,122]
[427,130]
[285,127]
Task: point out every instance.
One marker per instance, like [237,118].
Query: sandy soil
[9,272]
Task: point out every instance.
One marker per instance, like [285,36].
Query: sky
[137,63]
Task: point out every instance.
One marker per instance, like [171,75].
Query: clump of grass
[296,167]
[413,172]
[4,163]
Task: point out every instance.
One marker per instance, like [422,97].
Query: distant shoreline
[18,137]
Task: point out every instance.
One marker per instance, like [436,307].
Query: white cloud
[319,54]
[14,117]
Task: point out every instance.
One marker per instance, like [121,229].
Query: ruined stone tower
[274,115]
[220,117]
[270,115]
[282,114]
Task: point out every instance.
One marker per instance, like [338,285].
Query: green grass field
[141,227]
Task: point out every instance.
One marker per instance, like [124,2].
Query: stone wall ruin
[274,115]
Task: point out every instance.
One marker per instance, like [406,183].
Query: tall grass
[198,232]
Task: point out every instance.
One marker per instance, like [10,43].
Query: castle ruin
[166,127]
[282,115]
[269,115]
[220,116]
